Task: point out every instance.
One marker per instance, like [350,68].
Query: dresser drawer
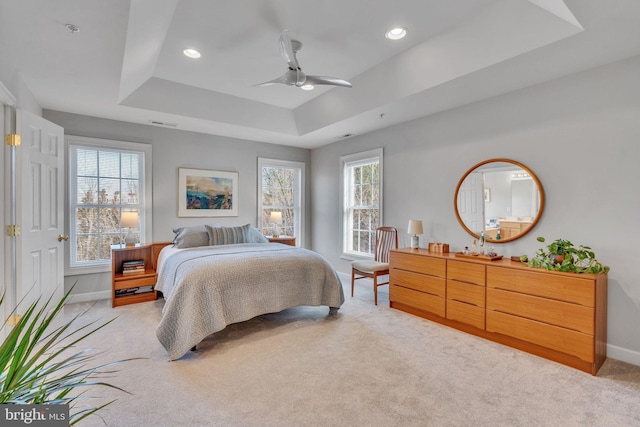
[559,313]
[419,282]
[419,264]
[420,300]
[466,272]
[466,292]
[466,313]
[555,286]
[553,337]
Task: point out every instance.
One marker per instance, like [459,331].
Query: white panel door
[471,202]
[40,209]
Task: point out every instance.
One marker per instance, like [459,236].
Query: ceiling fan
[294,76]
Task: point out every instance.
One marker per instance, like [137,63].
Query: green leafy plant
[562,255]
[40,365]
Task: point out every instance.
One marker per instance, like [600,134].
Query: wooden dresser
[558,316]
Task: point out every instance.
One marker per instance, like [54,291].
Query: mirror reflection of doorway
[471,201]
[501,197]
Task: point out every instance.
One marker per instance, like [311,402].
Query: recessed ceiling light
[192,53]
[306,87]
[396,33]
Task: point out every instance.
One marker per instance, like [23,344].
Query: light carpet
[366,365]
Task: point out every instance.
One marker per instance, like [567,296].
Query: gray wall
[579,134]
[173,149]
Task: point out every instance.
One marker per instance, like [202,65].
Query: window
[106,178]
[280,188]
[362,201]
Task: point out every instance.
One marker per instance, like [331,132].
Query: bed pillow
[228,235]
[191,237]
[255,236]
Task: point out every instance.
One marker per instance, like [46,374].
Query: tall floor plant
[40,364]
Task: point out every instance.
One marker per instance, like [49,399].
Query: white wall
[173,149]
[579,134]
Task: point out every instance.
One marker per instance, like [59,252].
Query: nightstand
[133,273]
[286,240]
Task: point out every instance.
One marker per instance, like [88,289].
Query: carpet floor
[366,365]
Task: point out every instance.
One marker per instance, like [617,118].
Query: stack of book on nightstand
[133,267]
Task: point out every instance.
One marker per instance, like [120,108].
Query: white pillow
[191,237]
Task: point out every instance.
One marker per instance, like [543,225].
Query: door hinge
[14,319]
[12,230]
[12,139]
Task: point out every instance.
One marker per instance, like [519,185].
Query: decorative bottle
[481,250]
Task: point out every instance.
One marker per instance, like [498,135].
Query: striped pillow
[228,235]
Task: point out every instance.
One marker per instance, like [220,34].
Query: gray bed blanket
[210,287]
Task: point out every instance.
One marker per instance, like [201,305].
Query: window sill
[94,269]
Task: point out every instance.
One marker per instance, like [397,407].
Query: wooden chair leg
[375,289]
[353,279]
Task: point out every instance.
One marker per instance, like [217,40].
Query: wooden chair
[386,239]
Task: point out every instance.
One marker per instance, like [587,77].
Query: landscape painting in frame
[207,193]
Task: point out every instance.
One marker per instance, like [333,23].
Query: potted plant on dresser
[562,255]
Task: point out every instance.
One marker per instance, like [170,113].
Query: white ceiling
[126,62]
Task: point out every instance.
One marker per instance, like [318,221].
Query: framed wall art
[207,193]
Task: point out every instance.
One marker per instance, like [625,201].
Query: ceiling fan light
[396,33]
[191,53]
[306,87]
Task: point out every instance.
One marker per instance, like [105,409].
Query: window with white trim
[106,178]
[281,189]
[362,202]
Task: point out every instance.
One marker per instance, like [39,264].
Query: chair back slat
[386,239]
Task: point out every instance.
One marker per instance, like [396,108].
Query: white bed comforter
[210,287]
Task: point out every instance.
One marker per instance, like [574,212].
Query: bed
[207,287]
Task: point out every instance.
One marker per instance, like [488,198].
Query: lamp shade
[130,219]
[415,227]
[275,217]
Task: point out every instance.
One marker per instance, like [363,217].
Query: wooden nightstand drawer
[135,282]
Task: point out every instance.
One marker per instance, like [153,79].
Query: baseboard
[623,354]
[89,296]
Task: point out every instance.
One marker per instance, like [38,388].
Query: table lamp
[275,218]
[130,219]
[415,228]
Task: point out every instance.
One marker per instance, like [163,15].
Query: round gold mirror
[501,197]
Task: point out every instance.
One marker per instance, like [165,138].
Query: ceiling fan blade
[290,78]
[286,49]
[281,79]
[325,80]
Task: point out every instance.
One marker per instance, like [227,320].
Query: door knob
[61,238]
